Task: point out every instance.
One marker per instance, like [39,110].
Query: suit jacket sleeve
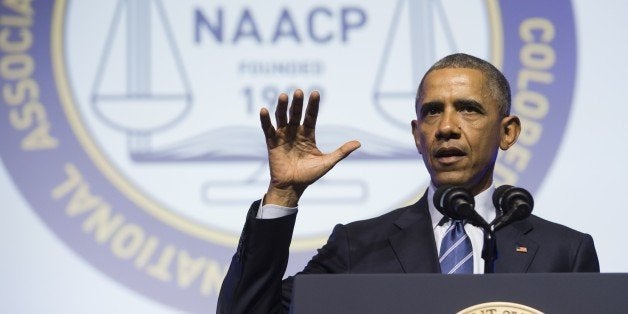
[586,256]
[253,282]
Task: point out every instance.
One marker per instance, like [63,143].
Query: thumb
[343,151]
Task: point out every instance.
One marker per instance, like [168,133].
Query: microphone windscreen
[454,202]
[498,195]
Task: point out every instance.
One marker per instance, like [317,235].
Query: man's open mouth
[449,154]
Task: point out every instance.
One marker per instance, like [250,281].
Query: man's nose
[449,125]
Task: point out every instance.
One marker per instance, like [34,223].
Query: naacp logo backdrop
[131,126]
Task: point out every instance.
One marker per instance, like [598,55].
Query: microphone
[457,203]
[515,203]
[498,196]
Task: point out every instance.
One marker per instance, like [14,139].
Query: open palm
[295,161]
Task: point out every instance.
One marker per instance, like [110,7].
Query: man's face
[459,129]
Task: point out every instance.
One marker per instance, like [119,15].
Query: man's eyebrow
[468,102]
[432,104]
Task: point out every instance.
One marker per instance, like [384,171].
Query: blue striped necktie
[456,253]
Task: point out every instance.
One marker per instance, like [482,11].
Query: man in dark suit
[463,106]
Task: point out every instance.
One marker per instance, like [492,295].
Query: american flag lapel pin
[521,249]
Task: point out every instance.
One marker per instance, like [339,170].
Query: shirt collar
[483,205]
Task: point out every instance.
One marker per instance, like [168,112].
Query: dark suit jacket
[401,241]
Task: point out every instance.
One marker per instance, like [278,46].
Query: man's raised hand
[295,161]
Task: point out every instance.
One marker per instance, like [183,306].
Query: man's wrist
[281,197]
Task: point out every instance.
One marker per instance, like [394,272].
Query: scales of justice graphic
[141,95]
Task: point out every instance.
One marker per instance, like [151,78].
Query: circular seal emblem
[131,126]
[500,307]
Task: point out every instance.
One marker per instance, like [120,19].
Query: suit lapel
[515,249]
[414,244]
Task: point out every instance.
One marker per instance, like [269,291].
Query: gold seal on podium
[499,308]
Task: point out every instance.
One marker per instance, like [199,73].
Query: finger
[267,126]
[343,151]
[280,111]
[311,112]
[296,108]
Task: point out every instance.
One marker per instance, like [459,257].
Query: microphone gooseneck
[512,204]
[515,203]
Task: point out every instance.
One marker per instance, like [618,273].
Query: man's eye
[469,109]
[430,111]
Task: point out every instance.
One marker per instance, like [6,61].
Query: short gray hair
[498,86]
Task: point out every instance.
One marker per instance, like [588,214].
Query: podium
[480,294]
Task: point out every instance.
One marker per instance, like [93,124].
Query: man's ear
[510,130]
[415,133]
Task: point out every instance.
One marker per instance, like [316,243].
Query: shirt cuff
[271,211]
